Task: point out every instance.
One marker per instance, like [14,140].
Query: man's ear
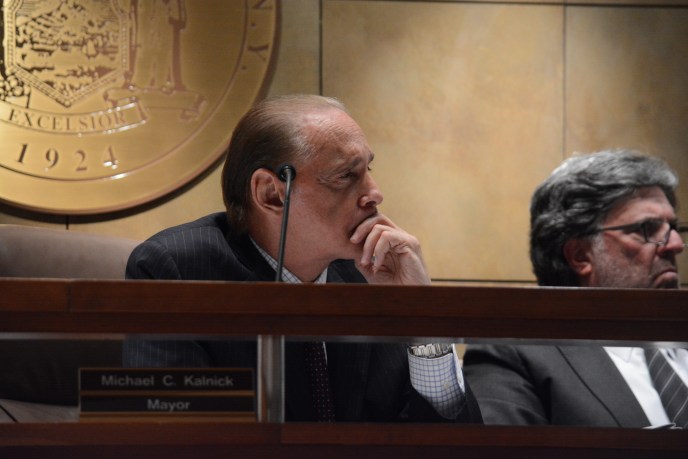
[578,254]
[267,192]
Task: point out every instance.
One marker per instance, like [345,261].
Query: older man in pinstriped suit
[336,234]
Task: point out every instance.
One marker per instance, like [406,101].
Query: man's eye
[349,175]
[652,227]
[353,174]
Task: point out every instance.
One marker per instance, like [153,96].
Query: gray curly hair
[576,199]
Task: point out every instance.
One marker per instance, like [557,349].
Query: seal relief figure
[108,104]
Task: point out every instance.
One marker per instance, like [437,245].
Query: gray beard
[610,274]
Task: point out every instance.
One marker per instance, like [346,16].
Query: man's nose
[675,244]
[372,196]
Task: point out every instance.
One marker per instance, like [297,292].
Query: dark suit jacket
[562,385]
[370,381]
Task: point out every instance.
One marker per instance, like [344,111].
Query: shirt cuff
[439,381]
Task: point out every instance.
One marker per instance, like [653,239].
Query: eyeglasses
[654,230]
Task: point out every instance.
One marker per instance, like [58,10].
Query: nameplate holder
[167,394]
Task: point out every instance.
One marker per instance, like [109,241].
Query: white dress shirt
[633,367]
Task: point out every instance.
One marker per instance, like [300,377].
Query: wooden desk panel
[34,295]
[355,310]
[37,306]
[305,440]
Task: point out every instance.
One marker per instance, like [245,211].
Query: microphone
[286,173]
[284,170]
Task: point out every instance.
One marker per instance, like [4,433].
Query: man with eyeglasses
[602,220]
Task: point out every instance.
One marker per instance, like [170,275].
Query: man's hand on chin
[390,255]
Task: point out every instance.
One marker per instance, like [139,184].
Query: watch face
[431,350]
[107,104]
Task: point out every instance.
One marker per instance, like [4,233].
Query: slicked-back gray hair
[268,135]
[578,196]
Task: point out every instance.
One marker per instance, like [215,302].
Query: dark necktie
[320,382]
[672,391]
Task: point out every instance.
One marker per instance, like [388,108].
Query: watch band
[430,351]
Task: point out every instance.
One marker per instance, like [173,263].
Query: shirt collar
[288,276]
[626,353]
[623,353]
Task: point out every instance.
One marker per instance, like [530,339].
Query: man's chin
[667,280]
[350,252]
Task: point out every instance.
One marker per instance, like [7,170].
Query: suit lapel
[297,390]
[344,271]
[348,365]
[333,275]
[257,269]
[600,375]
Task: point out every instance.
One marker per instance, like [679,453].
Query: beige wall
[468,106]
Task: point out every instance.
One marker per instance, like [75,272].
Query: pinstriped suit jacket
[370,381]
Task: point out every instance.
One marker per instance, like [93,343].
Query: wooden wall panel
[462,104]
[468,106]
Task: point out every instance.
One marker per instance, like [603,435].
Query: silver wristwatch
[430,351]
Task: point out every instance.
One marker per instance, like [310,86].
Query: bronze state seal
[107,104]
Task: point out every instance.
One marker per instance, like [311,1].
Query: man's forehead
[332,159]
[338,141]
[331,125]
[644,202]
